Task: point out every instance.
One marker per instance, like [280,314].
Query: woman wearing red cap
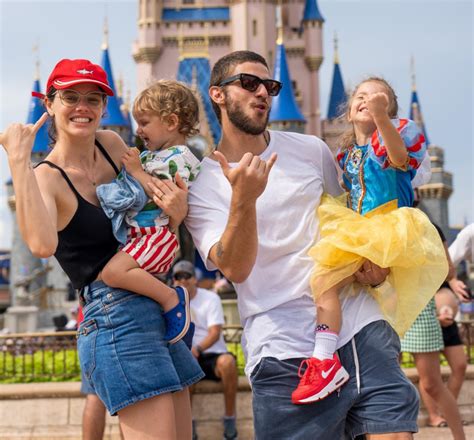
[123,354]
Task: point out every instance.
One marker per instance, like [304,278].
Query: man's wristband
[199,349]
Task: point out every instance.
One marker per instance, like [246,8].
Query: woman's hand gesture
[18,139]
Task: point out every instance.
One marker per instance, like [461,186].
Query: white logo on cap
[85,72]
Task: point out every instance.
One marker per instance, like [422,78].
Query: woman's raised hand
[18,139]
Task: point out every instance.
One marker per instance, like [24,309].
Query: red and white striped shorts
[152,248]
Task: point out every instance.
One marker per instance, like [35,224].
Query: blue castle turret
[113,118]
[124,104]
[194,70]
[335,124]
[36,109]
[311,11]
[337,98]
[285,113]
[415,108]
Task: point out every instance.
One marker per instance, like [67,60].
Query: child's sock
[325,344]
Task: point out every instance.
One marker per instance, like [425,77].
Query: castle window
[254,28]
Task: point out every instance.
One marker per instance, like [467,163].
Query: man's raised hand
[249,178]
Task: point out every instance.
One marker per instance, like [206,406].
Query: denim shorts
[379,399]
[86,386]
[122,350]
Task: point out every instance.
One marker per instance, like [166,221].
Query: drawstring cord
[356,362]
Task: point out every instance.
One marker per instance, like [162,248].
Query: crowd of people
[267,210]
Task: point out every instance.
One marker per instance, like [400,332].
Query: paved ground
[442,433]
[74,433]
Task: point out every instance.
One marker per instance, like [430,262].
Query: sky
[376,37]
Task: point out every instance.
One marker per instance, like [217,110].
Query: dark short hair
[224,65]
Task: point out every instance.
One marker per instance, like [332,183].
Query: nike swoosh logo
[325,374]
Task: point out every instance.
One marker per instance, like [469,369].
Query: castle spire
[279,24]
[105,41]
[337,98]
[194,69]
[285,113]
[415,107]
[113,118]
[35,51]
[35,110]
[311,11]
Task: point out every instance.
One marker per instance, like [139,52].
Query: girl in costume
[379,156]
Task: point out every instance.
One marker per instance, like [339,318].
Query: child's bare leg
[323,372]
[329,319]
[123,272]
[329,311]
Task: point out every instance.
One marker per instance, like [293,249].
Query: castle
[183,38]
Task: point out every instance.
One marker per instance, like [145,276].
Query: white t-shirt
[206,311]
[463,247]
[275,303]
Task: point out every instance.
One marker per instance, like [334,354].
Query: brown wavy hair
[348,138]
[166,97]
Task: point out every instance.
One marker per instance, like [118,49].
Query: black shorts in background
[207,362]
[451,335]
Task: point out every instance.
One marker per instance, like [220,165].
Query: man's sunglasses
[251,83]
[71,98]
[182,276]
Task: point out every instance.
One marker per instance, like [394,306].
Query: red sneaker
[320,379]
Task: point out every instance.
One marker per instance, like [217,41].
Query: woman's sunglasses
[251,83]
[70,98]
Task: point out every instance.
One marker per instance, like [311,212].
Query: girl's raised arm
[377,104]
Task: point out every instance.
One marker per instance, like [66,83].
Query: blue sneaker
[188,337]
[230,430]
[177,319]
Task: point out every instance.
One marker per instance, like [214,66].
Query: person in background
[447,305]
[461,249]
[73,322]
[209,347]
[424,340]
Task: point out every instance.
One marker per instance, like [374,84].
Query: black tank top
[87,243]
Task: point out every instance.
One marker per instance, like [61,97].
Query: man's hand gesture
[249,178]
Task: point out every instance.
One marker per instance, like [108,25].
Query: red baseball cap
[68,73]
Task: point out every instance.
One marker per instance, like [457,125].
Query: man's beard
[237,116]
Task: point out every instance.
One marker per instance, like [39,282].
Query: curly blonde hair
[167,97]
[348,138]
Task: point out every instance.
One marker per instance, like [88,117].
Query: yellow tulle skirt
[402,239]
